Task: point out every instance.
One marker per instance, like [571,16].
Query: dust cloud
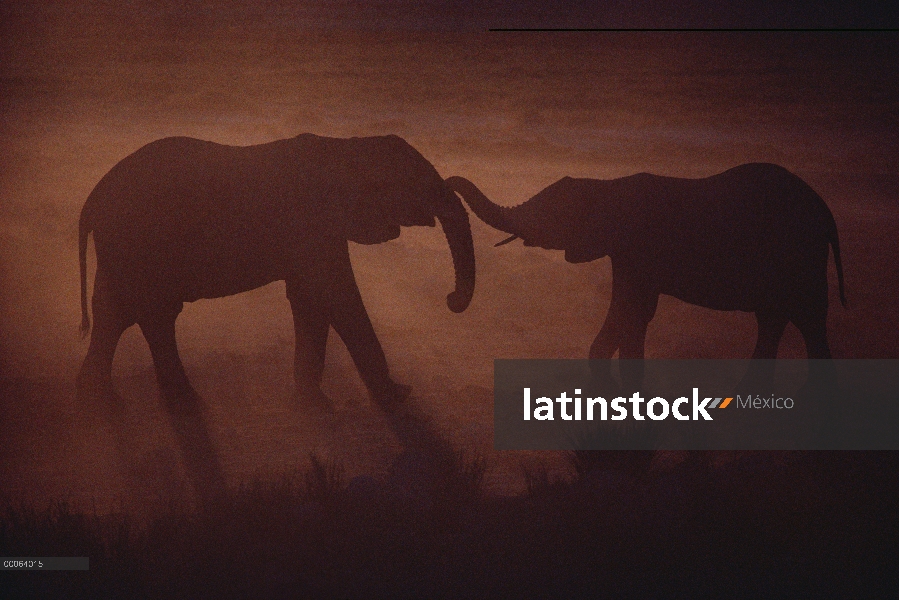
[511,112]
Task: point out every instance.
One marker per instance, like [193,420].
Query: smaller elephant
[182,219]
[755,238]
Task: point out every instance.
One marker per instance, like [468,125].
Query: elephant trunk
[498,217]
[454,219]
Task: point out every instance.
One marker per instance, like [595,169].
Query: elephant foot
[394,394]
[314,398]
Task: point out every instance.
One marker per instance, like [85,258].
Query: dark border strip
[698,30]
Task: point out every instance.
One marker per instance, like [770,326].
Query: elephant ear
[364,190]
[366,223]
[584,253]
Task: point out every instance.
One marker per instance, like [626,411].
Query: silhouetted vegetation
[652,525]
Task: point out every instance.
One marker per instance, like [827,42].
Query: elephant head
[387,184]
[567,216]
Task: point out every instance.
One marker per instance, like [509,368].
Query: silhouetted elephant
[754,238]
[182,219]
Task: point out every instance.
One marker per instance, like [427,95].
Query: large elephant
[182,219]
[754,238]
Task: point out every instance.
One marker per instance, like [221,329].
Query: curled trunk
[536,221]
[454,219]
[498,217]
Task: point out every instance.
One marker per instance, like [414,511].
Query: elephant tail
[83,231]
[835,244]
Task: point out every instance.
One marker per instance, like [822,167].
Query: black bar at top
[44,563]
[700,29]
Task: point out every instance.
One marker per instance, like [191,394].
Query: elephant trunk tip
[457,301]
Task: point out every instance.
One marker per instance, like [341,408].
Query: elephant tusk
[505,241]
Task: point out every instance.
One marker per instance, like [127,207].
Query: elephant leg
[351,322]
[633,338]
[607,340]
[814,331]
[605,345]
[159,330]
[183,406]
[624,329]
[111,319]
[770,329]
[311,322]
[636,312]
[822,385]
[760,374]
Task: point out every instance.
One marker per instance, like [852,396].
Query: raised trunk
[498,217]
[454,219]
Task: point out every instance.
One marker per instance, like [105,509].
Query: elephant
[754,238]
[182,219]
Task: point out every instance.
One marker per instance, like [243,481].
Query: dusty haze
[513,112]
